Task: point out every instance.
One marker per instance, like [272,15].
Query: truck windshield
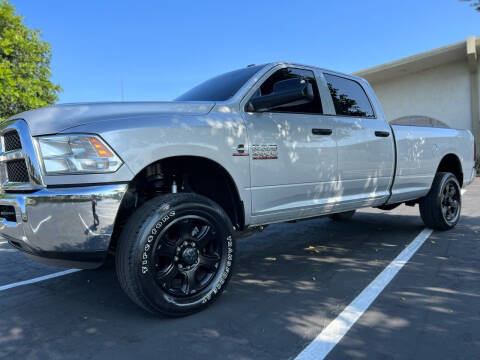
[221,87]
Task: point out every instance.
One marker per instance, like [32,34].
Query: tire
[441,208]
[343,216]
[175,255]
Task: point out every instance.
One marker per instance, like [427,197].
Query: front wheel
[440,209]
[175,254]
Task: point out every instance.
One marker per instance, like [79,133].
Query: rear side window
[348,97]
[315,107]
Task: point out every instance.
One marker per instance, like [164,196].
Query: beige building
[440,86]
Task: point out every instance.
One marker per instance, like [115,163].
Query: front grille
[12,141]
[19,168]
[17,171]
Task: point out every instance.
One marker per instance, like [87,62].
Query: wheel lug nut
[185,243]
[180,266]
[193,244]
[175,258]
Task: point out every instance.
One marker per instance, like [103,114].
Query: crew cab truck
[168,186]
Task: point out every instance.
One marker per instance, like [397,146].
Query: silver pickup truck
[168,186]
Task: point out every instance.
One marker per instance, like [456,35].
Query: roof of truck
[353,76]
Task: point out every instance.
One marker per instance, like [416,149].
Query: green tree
[475,4]
[24,66]
[343,104]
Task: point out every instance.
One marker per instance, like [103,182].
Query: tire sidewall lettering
[144,265]
[225,274]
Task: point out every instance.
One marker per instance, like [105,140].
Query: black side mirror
[290,92]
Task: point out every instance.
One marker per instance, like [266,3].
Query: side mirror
[290,92]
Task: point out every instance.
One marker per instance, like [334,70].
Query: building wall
[442,93]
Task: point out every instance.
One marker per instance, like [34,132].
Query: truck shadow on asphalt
[430,310]
[289,282]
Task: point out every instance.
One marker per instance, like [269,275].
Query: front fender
[142,140]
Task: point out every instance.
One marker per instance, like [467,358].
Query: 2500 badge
[264,152]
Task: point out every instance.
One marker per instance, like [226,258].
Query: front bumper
[62,226]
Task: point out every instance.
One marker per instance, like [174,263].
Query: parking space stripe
[320,347]
[38,279]
[3,242]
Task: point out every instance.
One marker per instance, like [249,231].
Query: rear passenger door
[365,145]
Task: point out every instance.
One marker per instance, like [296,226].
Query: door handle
[382,133]
[322,131]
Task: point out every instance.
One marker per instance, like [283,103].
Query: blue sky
[159,49]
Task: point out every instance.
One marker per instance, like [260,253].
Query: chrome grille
[12,141]
[19,168]
[17,171]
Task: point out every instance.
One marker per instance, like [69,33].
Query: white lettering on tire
[225,273]
[153,231]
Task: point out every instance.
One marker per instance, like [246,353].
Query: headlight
[74,154]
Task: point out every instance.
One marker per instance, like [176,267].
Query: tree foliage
[344,104]
[474,3]
[24,66]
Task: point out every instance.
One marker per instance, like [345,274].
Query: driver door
[293,154]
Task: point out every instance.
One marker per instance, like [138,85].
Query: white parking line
[38,279]
[330,336]
[463,191]
[3,242]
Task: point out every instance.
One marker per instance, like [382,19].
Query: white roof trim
[419,62]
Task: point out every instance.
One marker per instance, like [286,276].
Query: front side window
[220,88]
[348,97]
[313,107]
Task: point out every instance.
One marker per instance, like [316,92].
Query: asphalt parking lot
[290,282]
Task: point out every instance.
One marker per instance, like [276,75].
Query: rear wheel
[440,209]
[175,254]
[344,216]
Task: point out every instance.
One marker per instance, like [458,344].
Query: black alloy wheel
[441,207]
[187,255]
[175,255]
[450,200]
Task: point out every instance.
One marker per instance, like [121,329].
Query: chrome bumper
[62,226]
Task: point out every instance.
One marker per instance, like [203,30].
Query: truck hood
[54,119]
